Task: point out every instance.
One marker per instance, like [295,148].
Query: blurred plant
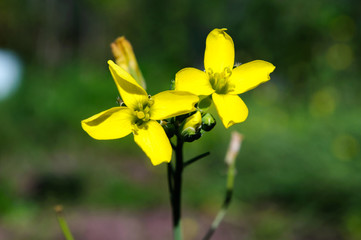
[230,160]
[62,222]
[156,121]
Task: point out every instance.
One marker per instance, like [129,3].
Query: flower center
[219,81]
[142,112]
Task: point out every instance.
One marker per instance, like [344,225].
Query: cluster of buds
[189,126]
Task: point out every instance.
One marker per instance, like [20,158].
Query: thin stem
[192,160]
[227,200]
[234,147]
[62,223]
[177,191]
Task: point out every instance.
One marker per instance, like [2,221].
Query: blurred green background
[299,167]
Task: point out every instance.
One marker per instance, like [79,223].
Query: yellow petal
[193,122]
[249,75]
[219,52]
[172,103]
[194,81]
[130,91]
[110,124]
[231,109]
[152,139]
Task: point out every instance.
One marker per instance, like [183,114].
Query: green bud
[208,122]
[191,138]
[168,128]
[191,127]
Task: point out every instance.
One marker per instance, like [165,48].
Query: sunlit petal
[130,91]
[249,75]
[194,81]
[172,103]
[154,142]
[231,109]
[219,52]
[110,124]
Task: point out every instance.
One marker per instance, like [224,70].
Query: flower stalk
[62,222]
[234,148]
[177,190]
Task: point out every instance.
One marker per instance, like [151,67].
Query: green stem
[192,160]
[63,224]
[227,200]
[234,148]
[177,232]
[175,188]
[177,192]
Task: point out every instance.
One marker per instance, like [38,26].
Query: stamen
[140,106]
[219,80]
[147,116]
[227,72]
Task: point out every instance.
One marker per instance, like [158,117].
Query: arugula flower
[221,80]
[140,116]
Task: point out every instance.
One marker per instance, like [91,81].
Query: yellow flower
[222,81]
[140,115]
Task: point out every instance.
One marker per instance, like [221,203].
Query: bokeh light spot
[342,28]
[345,147]
[266,94]
[339,56]
[10,73]
[323,102]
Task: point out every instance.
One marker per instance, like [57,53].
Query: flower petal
[249,75]
[152,139]
[172,103]
[130,91]
[219,52]
[194,81]
[231,109]
[110,124]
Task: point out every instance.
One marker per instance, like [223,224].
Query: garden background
[299,167]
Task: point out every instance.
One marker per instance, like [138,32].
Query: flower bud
[125,58]
[168,128]
[208,122]
[193,137]
[191,127]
